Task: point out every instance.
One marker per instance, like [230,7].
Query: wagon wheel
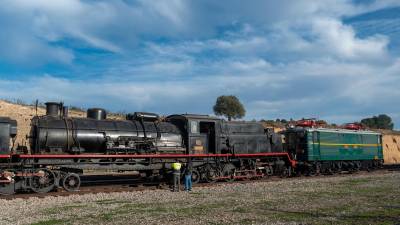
[43,181]
[71,182]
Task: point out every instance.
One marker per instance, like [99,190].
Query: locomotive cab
[199,132]
[203,136]
[211,135]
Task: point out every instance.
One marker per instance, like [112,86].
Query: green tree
[382,121]
[229,106]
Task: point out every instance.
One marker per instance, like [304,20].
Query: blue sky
[337,60]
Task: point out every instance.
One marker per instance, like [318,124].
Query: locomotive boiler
[56,133]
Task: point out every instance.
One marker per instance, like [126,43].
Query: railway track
[92,185]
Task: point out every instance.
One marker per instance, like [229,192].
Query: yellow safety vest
[176,166]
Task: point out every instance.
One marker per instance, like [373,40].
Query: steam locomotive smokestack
[65,111]
[97,114]
[52,108]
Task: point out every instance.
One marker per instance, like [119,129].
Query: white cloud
[117,26]
[282,58]
[341,40]
[324,89]
[173,10]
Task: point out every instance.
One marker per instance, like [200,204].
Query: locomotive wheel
[269,170]
[358,165]
[286,172]
[229,171]
[338,166]
[318,168]
[314,170]
[44,181]
[7,186]
[7,189]
[195,176]
[71,182]
[211,174]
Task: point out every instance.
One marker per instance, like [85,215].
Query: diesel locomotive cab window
[194,127]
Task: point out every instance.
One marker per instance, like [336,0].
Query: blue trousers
[188,182]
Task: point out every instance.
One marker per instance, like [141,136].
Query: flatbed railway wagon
[322,150]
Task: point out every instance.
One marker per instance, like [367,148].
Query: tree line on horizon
[230,107]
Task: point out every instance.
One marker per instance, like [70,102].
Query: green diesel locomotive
[323,150]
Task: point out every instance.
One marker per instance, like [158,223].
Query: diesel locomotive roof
[332,130]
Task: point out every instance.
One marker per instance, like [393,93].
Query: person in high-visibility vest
[176,167]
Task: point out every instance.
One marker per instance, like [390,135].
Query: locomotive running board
[159,156]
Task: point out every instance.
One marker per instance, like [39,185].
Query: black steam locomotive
[144,133]
[62,148]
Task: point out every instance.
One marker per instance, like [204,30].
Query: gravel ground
[351,199]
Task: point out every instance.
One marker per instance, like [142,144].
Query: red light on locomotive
[306,123]
[353,126]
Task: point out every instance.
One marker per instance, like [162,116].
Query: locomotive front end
[8,131]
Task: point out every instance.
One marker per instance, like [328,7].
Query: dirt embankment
[391,148]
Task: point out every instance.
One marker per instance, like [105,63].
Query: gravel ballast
[350,199]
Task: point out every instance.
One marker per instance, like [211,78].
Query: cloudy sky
[337,60]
